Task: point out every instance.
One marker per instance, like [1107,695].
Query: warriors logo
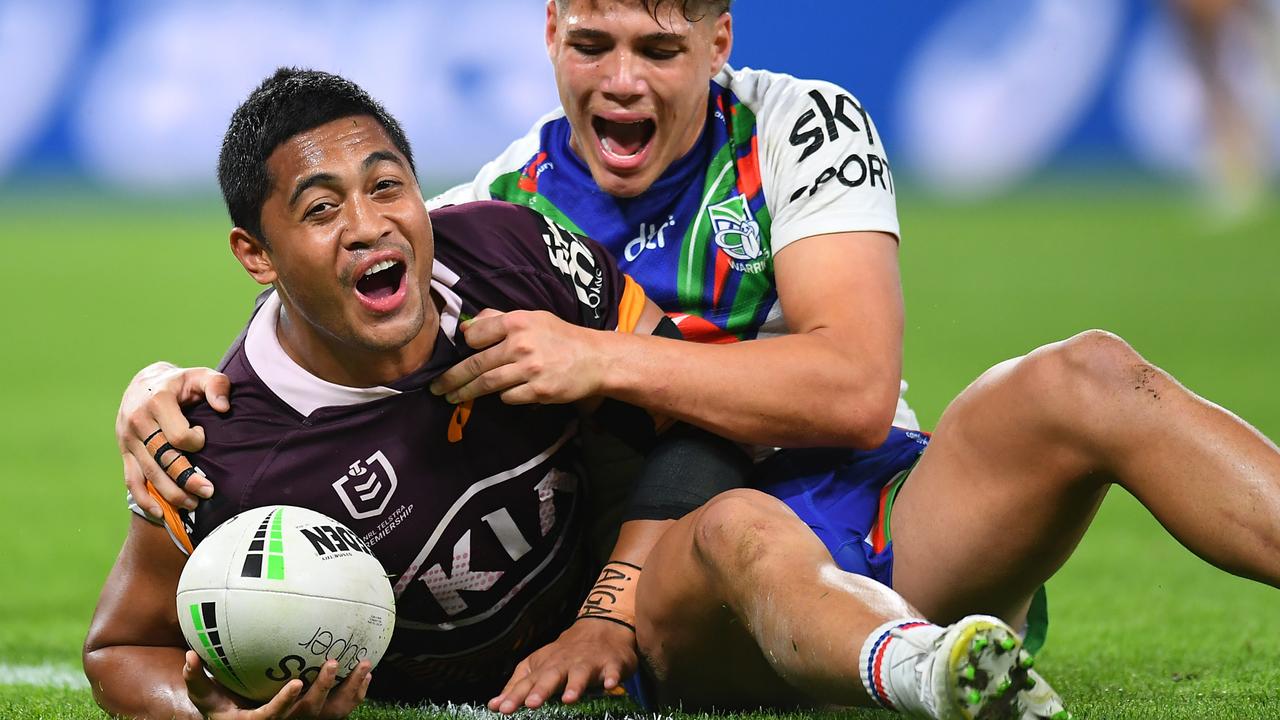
[737,233]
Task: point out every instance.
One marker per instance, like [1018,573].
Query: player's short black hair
[291,101]
[693,10]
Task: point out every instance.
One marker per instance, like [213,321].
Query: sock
[888,663]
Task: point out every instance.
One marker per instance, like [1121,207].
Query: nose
[624,79]
[366,223]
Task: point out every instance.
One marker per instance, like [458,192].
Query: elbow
[865,419]
[869,434]
[97,657]
[96,672]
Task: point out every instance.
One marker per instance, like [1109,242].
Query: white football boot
[975,669]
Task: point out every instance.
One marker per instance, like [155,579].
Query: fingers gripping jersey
[474,510]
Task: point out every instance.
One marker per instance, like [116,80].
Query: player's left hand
[591,653]
[328,698]
[527,357]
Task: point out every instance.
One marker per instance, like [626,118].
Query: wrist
[613,353]
[613,598]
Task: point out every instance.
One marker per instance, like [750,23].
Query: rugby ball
[274,592]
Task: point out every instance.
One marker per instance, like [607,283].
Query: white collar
[292,383]
[305,392]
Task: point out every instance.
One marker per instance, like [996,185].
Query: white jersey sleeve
[822,161]
[513,158]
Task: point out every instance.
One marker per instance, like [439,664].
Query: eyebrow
[654,37]
[311,181]
[378,156]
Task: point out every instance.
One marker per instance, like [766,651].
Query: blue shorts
[844,496]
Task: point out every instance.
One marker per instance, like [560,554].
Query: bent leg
[741,605]
[1022,458]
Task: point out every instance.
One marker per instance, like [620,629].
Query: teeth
[379,267]
[607,144]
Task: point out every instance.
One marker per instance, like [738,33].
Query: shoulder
[770,93]
[822,160]
[490,234]
[494,254]
[508,257]
[803,113]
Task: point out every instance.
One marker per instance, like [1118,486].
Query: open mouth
[381,282]
[623,140]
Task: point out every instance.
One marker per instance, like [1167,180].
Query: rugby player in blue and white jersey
[368,295]
[716,186]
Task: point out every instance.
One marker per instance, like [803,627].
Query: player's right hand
[590,653]
[326,699]
[154,400]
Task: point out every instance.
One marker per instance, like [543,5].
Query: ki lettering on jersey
[651,237]
[447,586]
[738,234]
[855,169]
[367,486]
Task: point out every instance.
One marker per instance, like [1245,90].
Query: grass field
[1141,628]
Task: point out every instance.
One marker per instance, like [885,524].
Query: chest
[469,508]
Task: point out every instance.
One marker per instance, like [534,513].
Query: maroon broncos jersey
[474,510]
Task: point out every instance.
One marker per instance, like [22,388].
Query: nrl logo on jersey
[367,487]
[738,234]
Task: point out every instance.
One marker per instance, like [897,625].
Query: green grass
[1141,628]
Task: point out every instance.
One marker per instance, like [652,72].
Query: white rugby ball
[275,591]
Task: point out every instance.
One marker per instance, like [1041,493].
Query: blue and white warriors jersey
[780,159]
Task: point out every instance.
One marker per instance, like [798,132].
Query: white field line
[43,675]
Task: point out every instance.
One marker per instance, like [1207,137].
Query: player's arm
[833,381]
[135,653]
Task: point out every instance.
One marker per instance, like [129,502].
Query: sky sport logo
[266,553]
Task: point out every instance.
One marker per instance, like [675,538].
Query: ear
[721,42]
[252,254]
[553,19]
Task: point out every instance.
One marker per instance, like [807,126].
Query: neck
[334,360]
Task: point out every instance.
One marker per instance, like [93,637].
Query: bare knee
[1088,371]
[736,531]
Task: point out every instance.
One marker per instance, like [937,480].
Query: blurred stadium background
[1056,171]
